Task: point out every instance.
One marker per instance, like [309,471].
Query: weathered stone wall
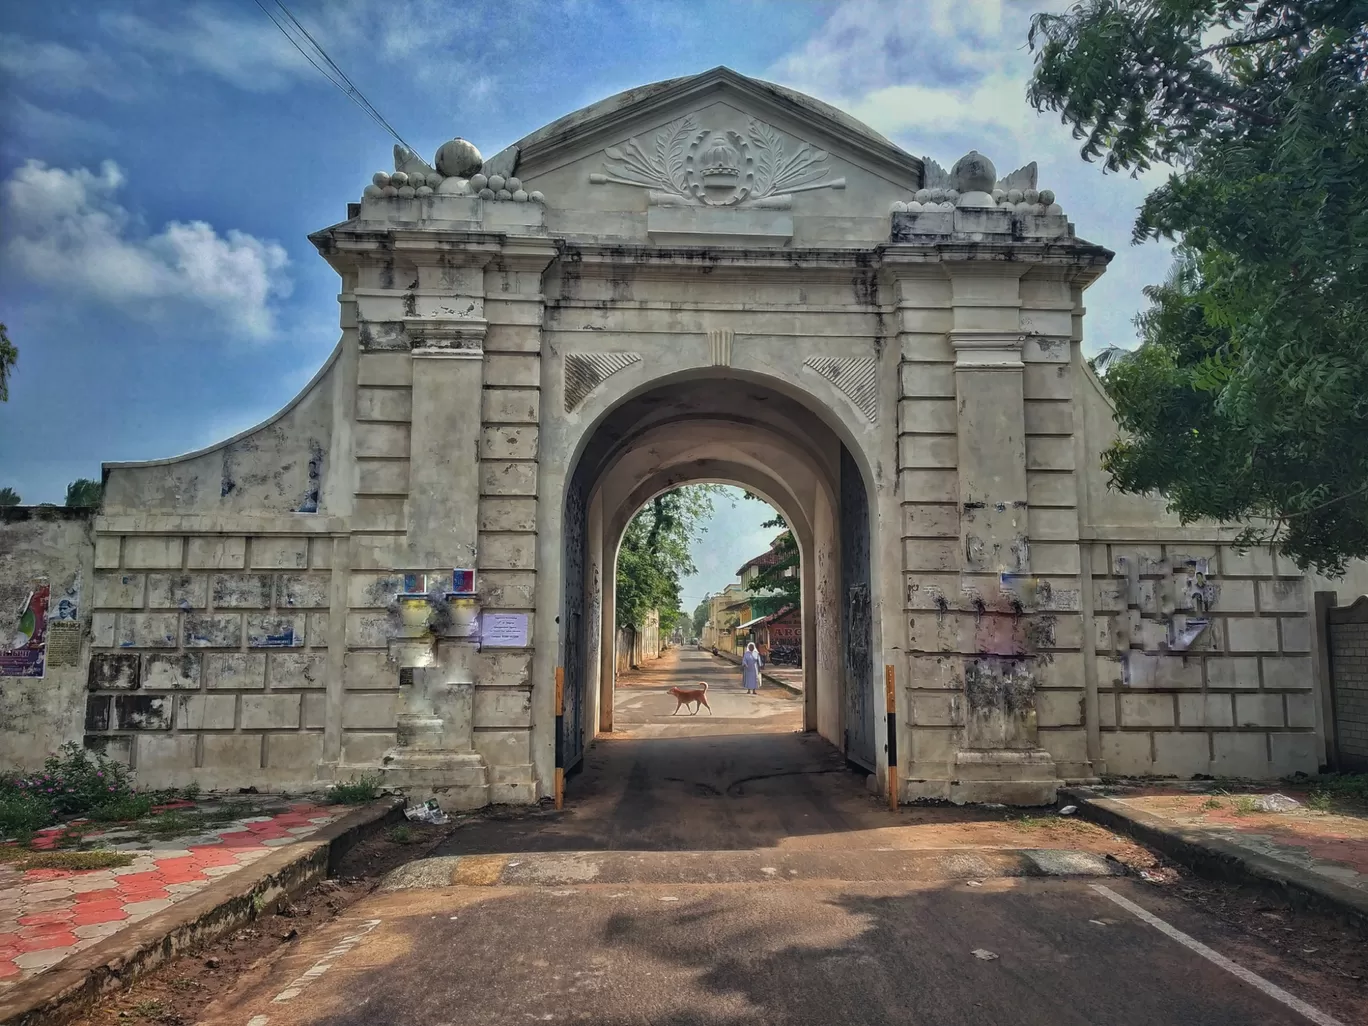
[1232,698]
[40,714]
[209,650]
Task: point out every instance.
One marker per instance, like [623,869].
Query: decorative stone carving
[586,371]
[970,184]
[720,346]
[854,376]
[698,166]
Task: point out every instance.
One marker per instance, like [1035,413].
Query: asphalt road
[736,872]
[782,953]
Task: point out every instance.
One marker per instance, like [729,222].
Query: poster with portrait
[23,640]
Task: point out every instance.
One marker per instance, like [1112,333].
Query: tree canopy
[9,356]
[654,555]
[1247,398]
[84,492]
[9,497]
[777,585]
[700,615]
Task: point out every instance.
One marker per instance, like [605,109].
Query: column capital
[997,350]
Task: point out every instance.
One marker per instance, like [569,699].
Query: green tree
[700,615]
[9,497]
[654,555]
[777,585]
[84,492]
[9,356]
[1247,399]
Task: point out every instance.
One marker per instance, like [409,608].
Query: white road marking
[321,966]
[1216,958]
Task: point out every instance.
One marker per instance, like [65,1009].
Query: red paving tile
[46,919]
[91,917]
[46,941]
[51,918]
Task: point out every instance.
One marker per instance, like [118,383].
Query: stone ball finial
[974,172]
[974,177]
[458,158]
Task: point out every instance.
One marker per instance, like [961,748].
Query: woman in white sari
[750,669]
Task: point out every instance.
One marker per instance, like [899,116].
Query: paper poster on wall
[64,643]
[23,645]
[503,630]
[65,604]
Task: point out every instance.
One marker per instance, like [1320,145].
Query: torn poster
[24,650]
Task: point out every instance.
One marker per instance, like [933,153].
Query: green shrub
[22,812]
[355,791]
[122,810]
[73,782]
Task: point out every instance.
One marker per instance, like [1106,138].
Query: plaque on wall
[503,630]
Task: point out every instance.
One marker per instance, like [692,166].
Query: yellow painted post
[891,707]
[560,737]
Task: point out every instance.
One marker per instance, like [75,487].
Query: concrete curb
[749,867]
[74,984]
[763,675]
[1216,858]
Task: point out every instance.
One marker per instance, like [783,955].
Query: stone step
[542,869]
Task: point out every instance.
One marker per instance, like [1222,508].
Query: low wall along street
[707,279]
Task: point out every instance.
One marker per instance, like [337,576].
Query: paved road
[727,873]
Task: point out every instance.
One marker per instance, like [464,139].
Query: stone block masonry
[1201,661]
[211,656]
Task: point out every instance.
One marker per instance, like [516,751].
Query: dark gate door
[1348,643]
[857,627]
[572,623]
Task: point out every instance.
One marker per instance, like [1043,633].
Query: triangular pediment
[652,135]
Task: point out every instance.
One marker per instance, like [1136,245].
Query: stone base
[513,785]
[458,780]
[1002,776]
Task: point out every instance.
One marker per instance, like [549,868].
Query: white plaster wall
[39,715]
[280,466]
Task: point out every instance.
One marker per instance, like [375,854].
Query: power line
[346,86]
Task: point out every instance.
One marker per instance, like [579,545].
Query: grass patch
[1320,801]
[356,791]
[402,834]
[1350,787]
[1245,805]
[1212,803]
[23,858]
[178,822]
[123,810]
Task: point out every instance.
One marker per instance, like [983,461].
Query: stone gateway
[707,279]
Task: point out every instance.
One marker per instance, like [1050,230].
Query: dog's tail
[703,684]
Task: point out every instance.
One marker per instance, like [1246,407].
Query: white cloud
[58,68]
[941,77]
[66,230]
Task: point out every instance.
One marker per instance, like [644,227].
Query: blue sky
[161,165]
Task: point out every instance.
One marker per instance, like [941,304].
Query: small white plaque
[503,630]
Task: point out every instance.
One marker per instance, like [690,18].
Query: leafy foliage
[1247,399]
[654,555]
[356,791]
[700,615]
[73,782]
[84,492]
[777,585]
[9,356]
[9,497]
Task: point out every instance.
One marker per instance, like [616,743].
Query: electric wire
[346,86]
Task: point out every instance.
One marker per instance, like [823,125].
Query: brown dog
[698,695]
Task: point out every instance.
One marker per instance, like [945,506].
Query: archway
[734,430]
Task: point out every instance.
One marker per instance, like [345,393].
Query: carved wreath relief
[697,166]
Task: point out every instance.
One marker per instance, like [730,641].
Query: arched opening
[745,432]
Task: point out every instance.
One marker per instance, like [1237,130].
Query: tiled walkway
[47,914]
[1333,845]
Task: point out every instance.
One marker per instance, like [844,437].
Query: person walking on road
[750,669]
